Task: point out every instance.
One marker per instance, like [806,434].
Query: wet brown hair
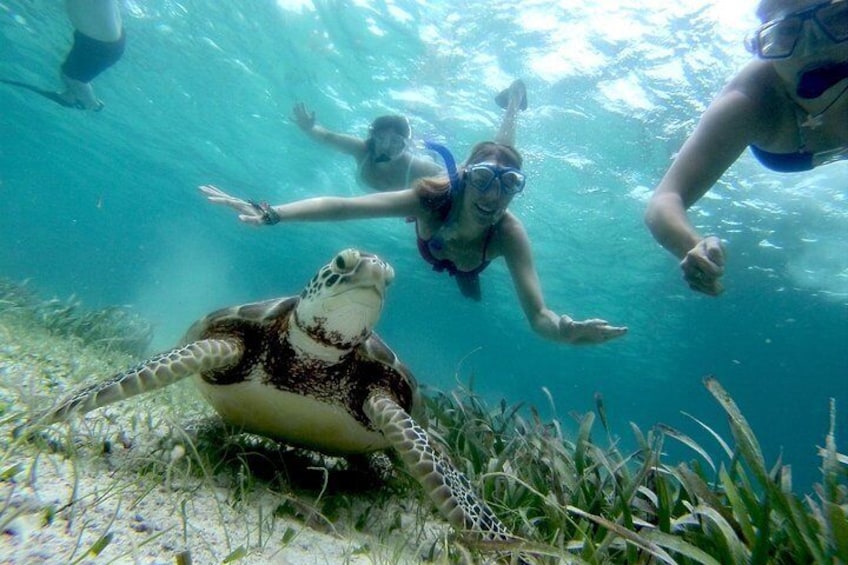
[395,123]
[491,151]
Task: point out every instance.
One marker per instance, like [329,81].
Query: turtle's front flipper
[449,489]
[157,372]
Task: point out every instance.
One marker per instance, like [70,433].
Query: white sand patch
[130,479]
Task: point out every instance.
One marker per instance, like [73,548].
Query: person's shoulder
[510,227]
[510,239]
[426,162]
[753,100]
[756,82]
[422,166]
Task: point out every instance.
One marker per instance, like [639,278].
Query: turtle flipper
[449,489]
[157,372]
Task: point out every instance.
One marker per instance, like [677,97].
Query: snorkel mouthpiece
[815,82]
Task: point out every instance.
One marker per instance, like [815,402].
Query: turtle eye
[346,261]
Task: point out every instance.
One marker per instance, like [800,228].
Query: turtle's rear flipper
[157,372]
[449,489]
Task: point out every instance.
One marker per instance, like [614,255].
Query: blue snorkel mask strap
[450,164]
[436,243]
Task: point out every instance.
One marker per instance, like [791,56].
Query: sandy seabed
[117,486]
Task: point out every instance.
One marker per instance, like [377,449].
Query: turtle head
[342,303]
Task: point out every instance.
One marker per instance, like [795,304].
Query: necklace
[816,120]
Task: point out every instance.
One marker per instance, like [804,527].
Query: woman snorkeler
[789,105]
[462,223]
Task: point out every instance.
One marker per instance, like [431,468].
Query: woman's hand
[587,332]
[250,212]
[304,119]
[703,266]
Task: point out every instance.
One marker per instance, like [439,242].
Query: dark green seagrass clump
[580,500]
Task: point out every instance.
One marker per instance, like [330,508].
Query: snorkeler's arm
[329,208]
[305,120]
[515,246]
[731,123]
[339,141]
[326,208]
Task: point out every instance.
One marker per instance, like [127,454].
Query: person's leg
[513,99]
[87,58]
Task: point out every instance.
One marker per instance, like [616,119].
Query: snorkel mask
[387,146]
[778,39]
[481,176]
[388,138]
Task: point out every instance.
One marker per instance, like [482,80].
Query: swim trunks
[89,57]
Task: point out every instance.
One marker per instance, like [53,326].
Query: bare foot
[80,95]
[516,93]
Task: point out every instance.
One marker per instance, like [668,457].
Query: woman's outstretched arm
[325,208]
[515,246]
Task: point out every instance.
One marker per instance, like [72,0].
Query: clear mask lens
[512,182]
[390,144]
[779,38]
[481,177]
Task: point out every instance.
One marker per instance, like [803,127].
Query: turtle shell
[277,392]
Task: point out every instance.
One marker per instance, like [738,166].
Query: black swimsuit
[802,159]
[784,162]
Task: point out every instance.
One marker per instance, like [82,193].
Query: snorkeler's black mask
[815,82]
[391,145]
[381,158]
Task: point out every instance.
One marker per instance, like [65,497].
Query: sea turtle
[309,371]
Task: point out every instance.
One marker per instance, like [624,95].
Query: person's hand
[250,212]
[588,331]
[703,266]
[304,119]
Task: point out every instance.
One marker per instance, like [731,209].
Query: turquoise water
[105,206]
